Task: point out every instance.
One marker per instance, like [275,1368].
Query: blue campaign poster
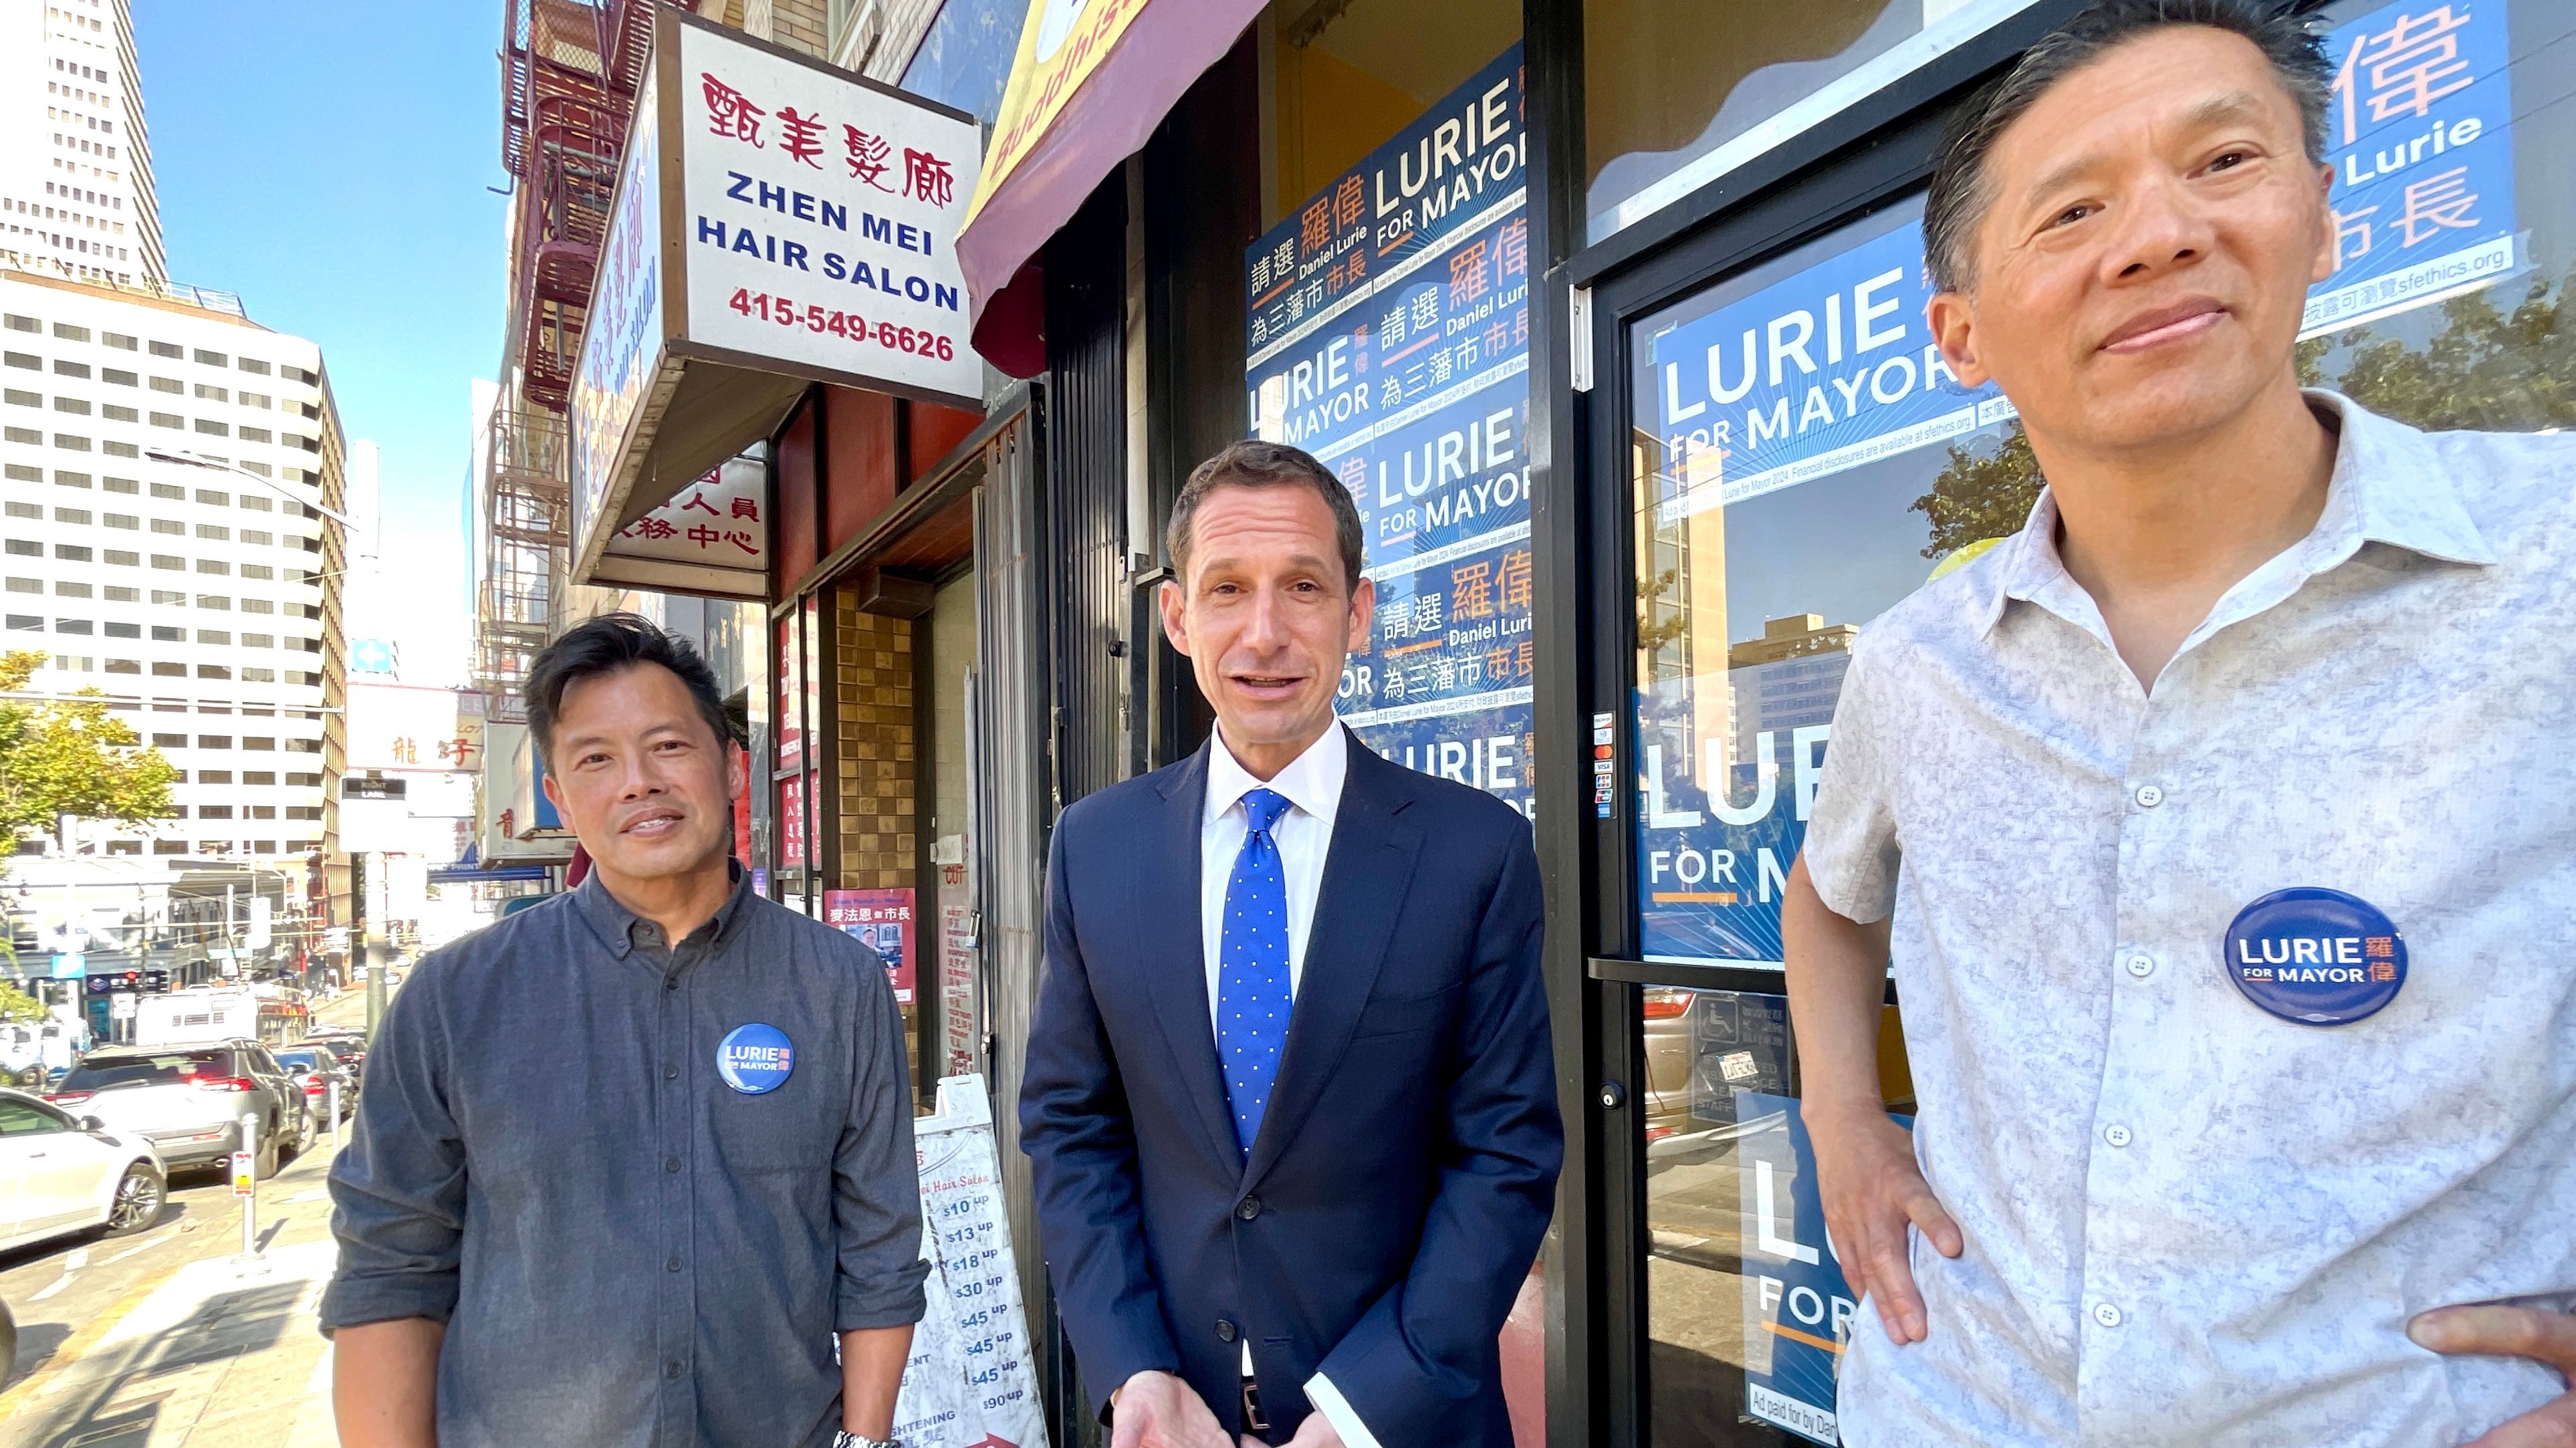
[1389,336]
[1815,374]
[1797,1306]
[2420,132]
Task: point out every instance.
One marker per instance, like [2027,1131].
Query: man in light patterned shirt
[2218,827]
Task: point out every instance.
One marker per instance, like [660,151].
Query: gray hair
[1961,189]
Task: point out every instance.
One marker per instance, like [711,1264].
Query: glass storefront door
[1799,460]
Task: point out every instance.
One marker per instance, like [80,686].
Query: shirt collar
[2388,486]
[620,929]
[1312,781]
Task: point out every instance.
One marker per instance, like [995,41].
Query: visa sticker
[755,1059]
[2315,956]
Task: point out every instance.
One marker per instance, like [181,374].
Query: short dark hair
[1960,187]
[609,644]
[1257,464]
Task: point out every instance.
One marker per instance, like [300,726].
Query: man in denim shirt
[628,1161]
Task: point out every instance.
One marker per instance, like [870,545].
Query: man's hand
[2545,1337]
[1871,1187]
[1315,1432]
[1158,1410]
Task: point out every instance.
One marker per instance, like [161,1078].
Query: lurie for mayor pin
[2317,957]
[755,1059]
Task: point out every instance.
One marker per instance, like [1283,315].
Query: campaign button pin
[2317,957]
[755,1059]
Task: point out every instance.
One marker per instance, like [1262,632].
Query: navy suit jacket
[1406,1165]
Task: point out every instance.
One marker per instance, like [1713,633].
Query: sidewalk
[209,1352]
[199,1349]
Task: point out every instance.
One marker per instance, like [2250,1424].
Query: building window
[118,340]
[212,428]
[117,630]
[261,812]
[258,641]
[119,593]
[166,634]
[72,625]
[72,552]
[259,676]
[170,385]
[169,847]
[214,741]
[65,367]
[70,333]
[164,597]
[304,811]
[254,434]
[24,361]
[17,398]
[213,565]
[25,510]
[126,521]
[121,485]
[26,548]
[212,359]
[214,532]
[116,413]
[123,666]
[214,811]
[69,443]
[71,515]
[122,558]
[213,636]
[170,525]
[169,741]
[68,589]
[214,601]
[26,623]
[79,405]
[119,376]
[172,492]
[26,585]
[253,502]
[165,670]
[213,671]
[169,420]
[164,560]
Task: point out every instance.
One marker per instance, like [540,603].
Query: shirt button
[2116,1135]
[670,1163]
[673,1265]
[2149,796]
[670,1073]
[2142,966]
[671,1369]
[670,982]
[1248,1208]
[2105,1314]
[1224,1330]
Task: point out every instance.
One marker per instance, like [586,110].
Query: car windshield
[99,1072]
[300,1060]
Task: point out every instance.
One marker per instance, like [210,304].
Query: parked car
[188,1101]
[63,1173]
[314,1067]
[349,1046]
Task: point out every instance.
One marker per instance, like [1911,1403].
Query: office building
[76,197]
[168,465]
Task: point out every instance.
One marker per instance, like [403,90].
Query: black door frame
[1875,154]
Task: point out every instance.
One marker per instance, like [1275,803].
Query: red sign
[791,822]
[882,921]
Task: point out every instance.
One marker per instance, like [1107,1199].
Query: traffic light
[156,980]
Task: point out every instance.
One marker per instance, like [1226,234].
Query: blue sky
[329,163]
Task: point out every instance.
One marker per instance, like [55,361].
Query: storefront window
[1679,92]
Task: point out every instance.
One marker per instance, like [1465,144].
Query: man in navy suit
[1289,1097]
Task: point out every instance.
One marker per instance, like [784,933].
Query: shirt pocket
[794,1130]
[1405,1015]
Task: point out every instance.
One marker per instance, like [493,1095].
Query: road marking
[317,1194]
[59,1284]
[145,1245]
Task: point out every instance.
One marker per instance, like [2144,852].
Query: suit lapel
[1367,869]
[1174,960]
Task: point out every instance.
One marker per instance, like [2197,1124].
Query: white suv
[188,1101]
[60,1173]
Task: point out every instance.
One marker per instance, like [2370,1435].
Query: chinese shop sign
[1389,336]
[778,222]
[712,538]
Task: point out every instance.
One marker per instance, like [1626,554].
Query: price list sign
[1388,335]
[968,1383]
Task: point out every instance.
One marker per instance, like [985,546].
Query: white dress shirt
[1312,784]
[2188,1221]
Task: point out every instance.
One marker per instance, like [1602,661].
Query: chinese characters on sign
[715,526]
[819,213]
[2419,128]
[1389,336]
[881,920]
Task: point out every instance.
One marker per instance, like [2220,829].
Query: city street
[165,1338]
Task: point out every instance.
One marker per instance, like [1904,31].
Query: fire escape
[569,73]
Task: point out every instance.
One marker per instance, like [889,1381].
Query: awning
[1092,81]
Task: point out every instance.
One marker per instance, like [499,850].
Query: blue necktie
[1252,969]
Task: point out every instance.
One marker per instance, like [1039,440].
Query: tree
[17,1005]
[71,756]
[1980,494]
[2486,369]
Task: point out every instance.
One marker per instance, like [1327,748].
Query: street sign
[357,787]
[120,1006]
[243,1175]
[70,965]
[260,934]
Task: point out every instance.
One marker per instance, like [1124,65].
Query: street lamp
[194,460]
